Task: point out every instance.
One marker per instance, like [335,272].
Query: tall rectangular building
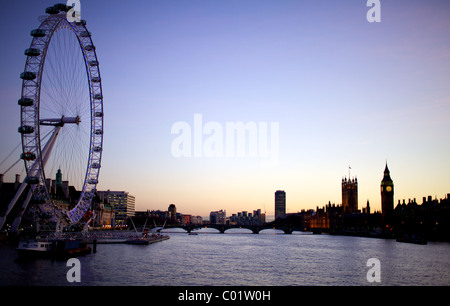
[280,203]
[122,203]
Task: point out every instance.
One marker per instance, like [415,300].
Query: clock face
[389,188]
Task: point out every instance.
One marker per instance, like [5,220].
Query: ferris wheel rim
[30,111]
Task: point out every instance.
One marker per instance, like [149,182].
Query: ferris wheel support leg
[46,153]
[12,203]
[18,219]
[49,146]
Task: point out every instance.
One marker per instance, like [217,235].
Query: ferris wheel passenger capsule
[32,52]
[26,102]
[89,48]
[28,75]
[51,10]
[37,33]
[25,129]
[62,7]
[85,34]
[28,156]
[32,180]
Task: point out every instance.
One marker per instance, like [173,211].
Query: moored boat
[147,239]
[52,248]
[34,248]
[137,241]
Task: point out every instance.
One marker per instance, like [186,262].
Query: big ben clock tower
[387,196]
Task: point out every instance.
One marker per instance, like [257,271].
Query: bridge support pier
[287,230]
[255,230]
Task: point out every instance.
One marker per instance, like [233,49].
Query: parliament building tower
[350,195]
[387,195]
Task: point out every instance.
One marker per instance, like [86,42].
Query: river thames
[237,259]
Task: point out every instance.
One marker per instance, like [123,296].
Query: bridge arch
[175,230]
[238,230]
[271,231]
[207,230]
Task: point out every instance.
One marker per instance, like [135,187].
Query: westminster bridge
[222,228]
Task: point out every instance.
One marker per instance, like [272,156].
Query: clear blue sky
[344,92]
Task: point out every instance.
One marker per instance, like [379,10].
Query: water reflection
[239,258]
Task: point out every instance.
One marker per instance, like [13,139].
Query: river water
[241,259]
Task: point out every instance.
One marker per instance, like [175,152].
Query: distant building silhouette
[280,203]
[430,221]
[218,217]
[245,218]
[367,209]
[169,217]
[172,212]
[58,181]
[350,195]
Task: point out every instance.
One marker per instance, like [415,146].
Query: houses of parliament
[350,196]
[430,220]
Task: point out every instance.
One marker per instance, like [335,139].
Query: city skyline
[349,201]
[344,92]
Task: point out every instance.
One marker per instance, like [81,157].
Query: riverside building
[123,204]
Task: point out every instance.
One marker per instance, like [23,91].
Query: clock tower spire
[387,196]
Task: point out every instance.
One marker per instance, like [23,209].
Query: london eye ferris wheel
[61,111]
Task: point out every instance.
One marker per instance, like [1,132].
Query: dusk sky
[343,91]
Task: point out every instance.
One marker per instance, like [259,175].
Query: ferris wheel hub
[61,121]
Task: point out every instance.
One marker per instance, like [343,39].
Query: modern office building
[172,212]
[121,202]
[280,203]
[218,217]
